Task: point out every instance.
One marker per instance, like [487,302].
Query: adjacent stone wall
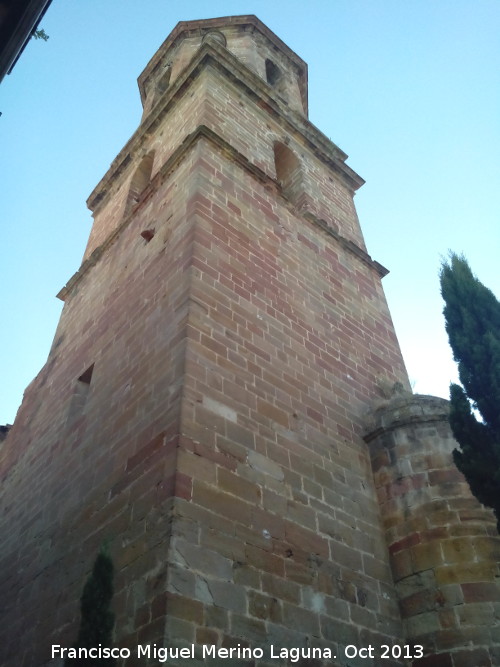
[443,544]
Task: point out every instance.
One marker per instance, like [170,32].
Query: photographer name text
[211,651]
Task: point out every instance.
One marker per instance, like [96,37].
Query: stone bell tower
[203,407]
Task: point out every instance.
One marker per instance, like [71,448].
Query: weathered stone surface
[265,465]
[445,568]
[201,560]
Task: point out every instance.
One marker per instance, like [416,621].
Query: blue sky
[409,89]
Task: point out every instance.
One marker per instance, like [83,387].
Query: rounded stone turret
[444,547]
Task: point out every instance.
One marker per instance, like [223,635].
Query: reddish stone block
[481,592]
[183,486]
[405,543]
[146,451]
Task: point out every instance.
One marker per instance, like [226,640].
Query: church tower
[203,410]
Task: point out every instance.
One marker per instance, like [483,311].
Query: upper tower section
[247,38]
[235,79]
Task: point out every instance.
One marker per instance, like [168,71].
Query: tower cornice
[212,54]
[202,26]
[204,132]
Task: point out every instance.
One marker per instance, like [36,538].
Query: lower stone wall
[444,547]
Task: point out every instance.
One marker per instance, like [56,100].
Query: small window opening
[273,73]
[86,377]
[147,234]
[288,172]
[163,81]
[80,395]
[139,182]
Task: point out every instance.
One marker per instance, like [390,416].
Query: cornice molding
[204,132]
[217,56]
[206,25]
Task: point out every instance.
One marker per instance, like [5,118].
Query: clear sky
[409,89]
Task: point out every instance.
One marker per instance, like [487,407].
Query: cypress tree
[97,620]
[472,315]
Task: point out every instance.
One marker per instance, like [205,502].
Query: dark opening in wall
[4,431]
[80,394]
[86,377]
[273,74]
[148,234]
[139,182]
[288,172]
[163,82]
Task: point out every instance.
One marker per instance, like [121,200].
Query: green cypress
[472,316]
[97,620]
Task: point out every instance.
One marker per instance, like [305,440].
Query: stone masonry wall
[101,467]
[183,117]
[203,409]
[277,536]
[271,476]
[252,131]
[212,93]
